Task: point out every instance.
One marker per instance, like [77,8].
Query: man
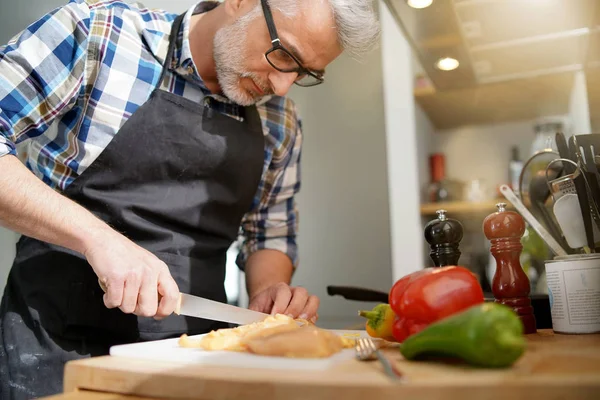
[148,141]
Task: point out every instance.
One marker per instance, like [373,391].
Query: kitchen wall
[404,148]
[426,135]
[344,233]
[483,151]
[579,110]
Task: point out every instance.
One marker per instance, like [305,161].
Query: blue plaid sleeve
[273,224]
[41,73]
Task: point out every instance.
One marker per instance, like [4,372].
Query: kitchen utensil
[561,186]
[537,162]
[504,229]
[366,351]
[358,294]
[566,184]
[534,192]
[583,195]
[564,152]
[444,235]
[199,307]
[538,195]
[567,151]
[567,211]
[546,237]
[568,215]
[588,146]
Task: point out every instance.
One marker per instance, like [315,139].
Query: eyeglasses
[284,60]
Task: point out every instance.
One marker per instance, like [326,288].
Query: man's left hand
[283,299]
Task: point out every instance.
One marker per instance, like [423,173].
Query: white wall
[402,151]
[344,234]
[425,132]
[579,110]
[483,151]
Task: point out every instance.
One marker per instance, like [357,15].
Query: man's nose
[282,81]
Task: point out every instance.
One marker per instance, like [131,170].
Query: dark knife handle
[358,294]
[563,151]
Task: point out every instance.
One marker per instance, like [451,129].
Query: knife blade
[199,307]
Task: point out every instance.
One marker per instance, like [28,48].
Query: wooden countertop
[554,367]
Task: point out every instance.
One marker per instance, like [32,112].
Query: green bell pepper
[486,335]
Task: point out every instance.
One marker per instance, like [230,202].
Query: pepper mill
[510,285]
[444,235]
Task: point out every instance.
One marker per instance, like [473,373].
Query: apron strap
[172,40]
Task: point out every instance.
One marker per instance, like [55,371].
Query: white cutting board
[169,350]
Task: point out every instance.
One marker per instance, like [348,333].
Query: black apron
[176,179]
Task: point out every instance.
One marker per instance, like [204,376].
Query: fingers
[297,303]
[113,296]
[281,295]
[130,292]
[310,309]
[147,301]
[169,292]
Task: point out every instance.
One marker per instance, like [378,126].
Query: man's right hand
[133,278]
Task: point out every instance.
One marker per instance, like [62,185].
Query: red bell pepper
[426,296]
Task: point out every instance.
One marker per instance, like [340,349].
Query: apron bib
[177,180]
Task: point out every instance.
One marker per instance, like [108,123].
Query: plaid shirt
[71,79]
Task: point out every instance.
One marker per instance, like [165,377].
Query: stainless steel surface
[366,351]
[199,307]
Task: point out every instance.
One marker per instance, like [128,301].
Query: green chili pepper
[486,335]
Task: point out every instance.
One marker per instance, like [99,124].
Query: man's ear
[235,8]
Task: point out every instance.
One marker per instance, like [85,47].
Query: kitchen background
[376,127]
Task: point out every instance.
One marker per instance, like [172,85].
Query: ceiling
[517,57]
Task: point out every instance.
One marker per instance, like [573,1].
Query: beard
[228,51]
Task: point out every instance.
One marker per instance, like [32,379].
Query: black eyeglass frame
[300,70]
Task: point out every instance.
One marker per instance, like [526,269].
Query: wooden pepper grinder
[444,235]
[510,285]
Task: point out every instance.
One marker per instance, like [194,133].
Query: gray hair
[355,21]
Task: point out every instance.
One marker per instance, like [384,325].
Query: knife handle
[177,308]
[358,294]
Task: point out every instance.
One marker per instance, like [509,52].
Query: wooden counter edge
[89,395]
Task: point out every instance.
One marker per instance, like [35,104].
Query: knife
[199,307]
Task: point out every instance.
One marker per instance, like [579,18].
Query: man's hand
[132,277]
[283,299]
